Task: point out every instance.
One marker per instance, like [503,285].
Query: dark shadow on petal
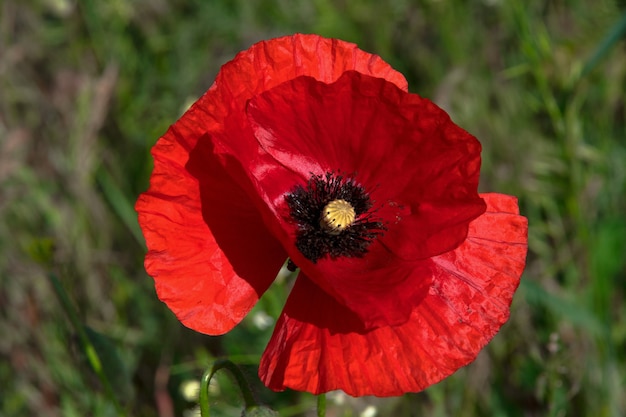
[308,303]
[233,217]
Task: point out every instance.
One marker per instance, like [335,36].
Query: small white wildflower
[370,411]
[262,320]
[337,397]
[189,389]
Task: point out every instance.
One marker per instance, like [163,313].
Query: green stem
[204,393]
[246,393]
[321,405]
[90,350]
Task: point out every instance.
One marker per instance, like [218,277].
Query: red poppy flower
[310,149]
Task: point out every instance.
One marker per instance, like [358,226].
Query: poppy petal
[204,269]
[268,64]
[429,168]
[368,127]
[318,344]
[208,251]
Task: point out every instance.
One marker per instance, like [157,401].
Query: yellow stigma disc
[337,216]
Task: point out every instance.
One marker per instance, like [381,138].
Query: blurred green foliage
[86,88]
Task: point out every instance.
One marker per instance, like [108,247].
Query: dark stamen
[317,235]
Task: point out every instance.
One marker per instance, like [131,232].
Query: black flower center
[334,217]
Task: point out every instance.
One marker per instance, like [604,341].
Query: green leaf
[113,366]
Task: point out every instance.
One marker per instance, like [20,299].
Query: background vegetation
[86,88]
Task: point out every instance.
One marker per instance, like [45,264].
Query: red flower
[309,149]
